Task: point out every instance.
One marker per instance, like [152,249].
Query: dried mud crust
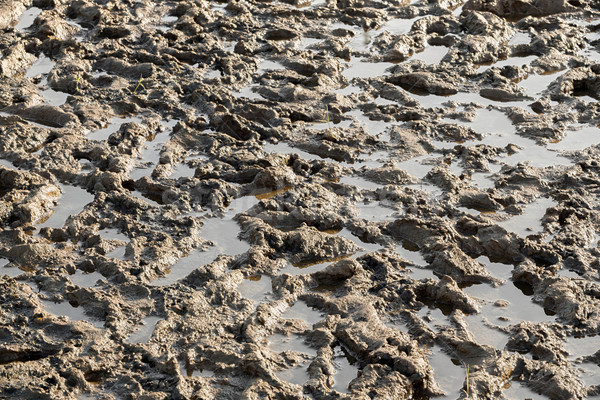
[160,158]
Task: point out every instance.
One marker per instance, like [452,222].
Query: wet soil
[300,200]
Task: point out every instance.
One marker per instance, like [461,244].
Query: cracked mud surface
[294,200]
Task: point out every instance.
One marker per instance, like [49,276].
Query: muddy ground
[293,200]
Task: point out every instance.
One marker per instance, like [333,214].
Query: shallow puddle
[300,310]
[28,18]
[359,182]
[86,279]
[399,26]
[280,343]
[530,221]
[64,309]
[71,202]
[374,211]
[582,346]
[346,369]
[520,37]
[483,334]
[223,233]
[144,333]
[518,391]
[7,164]
[431,54]
[519,307]
[150,155]
[360,68]
[113,126]
[41,66]
[195,371]
[579,139]
[448,373]
[258,288]
[297,375]
[11,271]
[536,84]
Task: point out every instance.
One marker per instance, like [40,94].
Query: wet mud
[300,200]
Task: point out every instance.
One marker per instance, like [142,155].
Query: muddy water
[65,309]
[144,333]
[72,201]
[357,91]
[28,18]
[222,233]
[258,289]
[113,126]
[530,221]
[448,372]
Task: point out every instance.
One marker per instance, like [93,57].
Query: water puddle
[7,164]
[530,221]
[71,202]
[65,309]
[113,126]
[301,311]
[144,333]
[284,148]
[42,66]
[359,182]
[518,391]
[360,68]
[520,37]
[512,61]
[374,211]
[28,18]
[431,54]
[500,133]
[279,343]
[195,371]
[579,139]
[448,373]
[346,369]
[506,305]
[150,155]
[86,279]
[223,232]
[535,84]
[248,92]
[582,346]
[12,271]
[113,234]
[183,170]
[297,375]
[399,26]
[484,334]
[257,288]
